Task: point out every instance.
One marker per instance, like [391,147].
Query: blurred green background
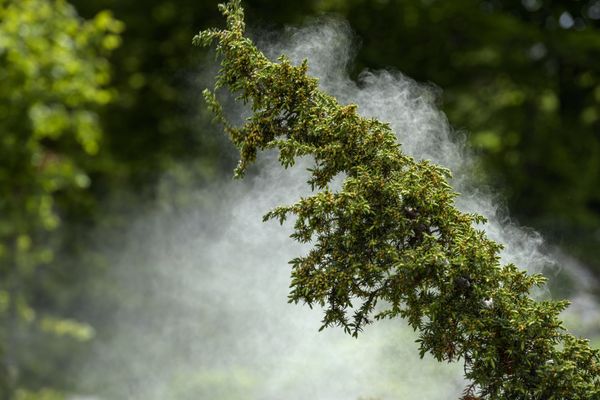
[99,99]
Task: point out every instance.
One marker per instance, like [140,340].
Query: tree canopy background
[98,99]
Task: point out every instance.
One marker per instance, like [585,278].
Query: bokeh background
[102,122]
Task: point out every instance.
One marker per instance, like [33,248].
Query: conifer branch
[391,242]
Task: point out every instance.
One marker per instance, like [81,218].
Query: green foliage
[525,88]
[390,242]
[53,74]
[154,124]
